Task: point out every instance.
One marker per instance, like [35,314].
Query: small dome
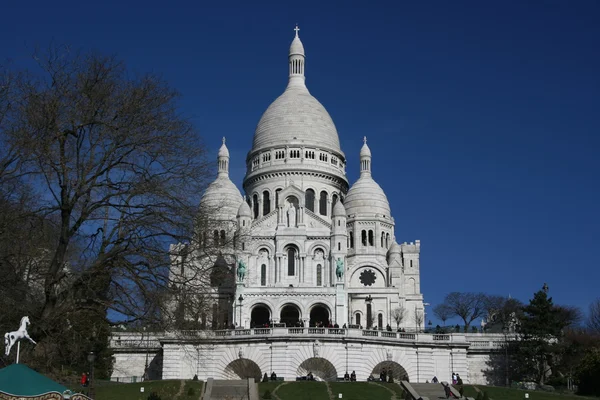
[223,151]
[244,210]
[395,248]
[296,47]
[339,210]
[221,200]
[365,151]
[366,197]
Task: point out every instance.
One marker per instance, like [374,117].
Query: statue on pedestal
[339,269]
[241,270]
[291,216]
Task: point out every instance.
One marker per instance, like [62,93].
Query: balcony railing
[473,341]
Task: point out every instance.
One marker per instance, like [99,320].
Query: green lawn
[500,393]
[131,391]
[359,391]
[303,391]
[270,386]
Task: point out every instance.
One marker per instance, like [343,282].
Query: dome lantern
[223,159]
[296,61]
[365,158]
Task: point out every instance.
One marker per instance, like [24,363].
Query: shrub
[267,394]
[154,396]
[195,378]
[191,392]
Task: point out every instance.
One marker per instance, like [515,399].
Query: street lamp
[146,365]
[505,330]
[91,357]
[240,299]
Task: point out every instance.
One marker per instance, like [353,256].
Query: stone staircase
[244,389]
[433,391]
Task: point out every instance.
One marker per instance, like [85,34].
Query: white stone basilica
[306,269]
[313,251]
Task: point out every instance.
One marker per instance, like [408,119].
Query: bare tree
[443,312]
[117,169]
[503,313]
[468,306]
[399,313]
[593,321]
[419,319]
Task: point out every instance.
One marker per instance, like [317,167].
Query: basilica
[302,247]
[303,273]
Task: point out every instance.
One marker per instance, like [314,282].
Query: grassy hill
[180,390]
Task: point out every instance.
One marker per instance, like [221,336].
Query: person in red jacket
[84,380]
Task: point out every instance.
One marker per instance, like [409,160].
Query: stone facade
[302,251]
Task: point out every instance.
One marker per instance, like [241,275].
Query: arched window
[380,320]
[387,240]
[411,263]
[266,202]
[334,199]
[291,254]
[255,205]
[370,238]
[351,240]
[223,238]
[309,199]
[216,238]
[382,238]
[339,246]
[323,203]
[363,237]
[319,275]
[357,319]
[263,275]
[277,197]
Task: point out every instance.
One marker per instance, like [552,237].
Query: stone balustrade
[133,340]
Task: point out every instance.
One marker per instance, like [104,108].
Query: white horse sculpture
[10,338]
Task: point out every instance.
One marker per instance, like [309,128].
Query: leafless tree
[593,321]
[115,168]
[399,313]
[419,319]
[443,312]
[468,306]
[503,312]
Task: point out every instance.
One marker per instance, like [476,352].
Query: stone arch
[319,312]
[412,286]
[290,314]
[360,319]
[316,246]
[260,314]
[243,368]
[260,245]
[321,368]
[398,371]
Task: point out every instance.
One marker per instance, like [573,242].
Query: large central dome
[296,117]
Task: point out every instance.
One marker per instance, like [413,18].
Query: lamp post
[91,357]
[240,299]
[505,330]
[146,365]
[369,300]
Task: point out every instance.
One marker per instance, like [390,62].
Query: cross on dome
[297,29]
[364,140]
[223,139]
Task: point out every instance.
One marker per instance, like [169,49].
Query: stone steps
[244,389]
[433,391]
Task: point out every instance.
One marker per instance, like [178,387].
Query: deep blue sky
[482,117]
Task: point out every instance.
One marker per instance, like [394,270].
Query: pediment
[291,190]
[313,221]
[269,221]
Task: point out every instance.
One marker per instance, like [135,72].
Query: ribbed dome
[223,151]
[339,210]
[296,117]
[365,151]
[366,197]
[296,47]
[244,210]
[221,200]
